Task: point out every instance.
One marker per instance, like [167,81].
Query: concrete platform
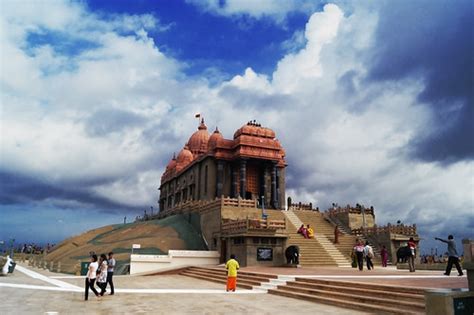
[164,294]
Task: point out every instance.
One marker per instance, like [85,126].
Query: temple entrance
[223,258]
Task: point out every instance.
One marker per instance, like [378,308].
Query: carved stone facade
[250,166]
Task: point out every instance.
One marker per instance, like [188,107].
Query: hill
[155,237]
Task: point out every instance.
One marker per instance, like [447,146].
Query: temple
[232,193]
[250,166]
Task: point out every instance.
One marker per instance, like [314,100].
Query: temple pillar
[243,178]
[234,183]
[273,175]
[220,178]
[263,184]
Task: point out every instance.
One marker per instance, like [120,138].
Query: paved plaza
[35,291]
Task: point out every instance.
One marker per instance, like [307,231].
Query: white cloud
[276,10]
[345,138]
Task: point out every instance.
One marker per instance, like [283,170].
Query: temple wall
[355,220]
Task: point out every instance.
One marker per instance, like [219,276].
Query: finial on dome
[202,125]
[174,156]
[217,130]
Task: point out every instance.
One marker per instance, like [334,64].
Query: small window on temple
[273,240]
[264,240]
[256,240]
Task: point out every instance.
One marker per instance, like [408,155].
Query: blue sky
[373,102]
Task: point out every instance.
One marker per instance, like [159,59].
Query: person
[336,235]
[368,254]
[359,252]
[411,258]
[110,272]
[232,266]
[301,230]
[310,231]
[102,278]
[453,256]
[90,277]
[384,256]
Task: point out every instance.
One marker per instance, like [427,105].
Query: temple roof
[250,141]
[197,143]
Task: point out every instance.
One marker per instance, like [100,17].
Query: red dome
[184,158]
[216,135]
[172,163]
[198,142]
[254,129]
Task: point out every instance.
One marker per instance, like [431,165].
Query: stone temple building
[232,193]
[251,165]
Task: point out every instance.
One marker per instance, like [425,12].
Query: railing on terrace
[201,206]
[349,209]
[396,229]
[252,225]
[301,206]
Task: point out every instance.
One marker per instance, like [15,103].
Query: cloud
[434,43]
[100,132]
[276,10]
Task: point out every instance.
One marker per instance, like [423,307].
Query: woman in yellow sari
[310,231]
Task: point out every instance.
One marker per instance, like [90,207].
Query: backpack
[370,254]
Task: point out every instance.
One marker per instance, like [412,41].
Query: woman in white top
[90,277]
[102,278]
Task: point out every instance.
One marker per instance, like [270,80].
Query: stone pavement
[166,294]
[35,291]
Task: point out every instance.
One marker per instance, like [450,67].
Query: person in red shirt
[411,258]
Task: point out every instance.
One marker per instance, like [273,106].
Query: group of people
[306,231]
[33,248]
[362,252]
[102,271]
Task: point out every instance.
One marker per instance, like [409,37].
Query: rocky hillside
[155,237]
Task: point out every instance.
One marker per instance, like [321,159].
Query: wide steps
[245,280]
[365,285]
[354,291]
[240,284]
[379,309]
[359,294]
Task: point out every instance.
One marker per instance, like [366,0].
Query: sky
[372,101]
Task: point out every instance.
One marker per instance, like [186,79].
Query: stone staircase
[380,299]
[245,280]
[347,241]
[319,251]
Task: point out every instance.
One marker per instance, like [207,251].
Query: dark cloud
[106,121]
[19,189]
[432,41]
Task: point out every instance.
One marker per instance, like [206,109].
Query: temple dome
[216,135]
[172,163]
[256,130]
[184,157]
[198,142]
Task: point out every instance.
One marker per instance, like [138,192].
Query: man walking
[411,258]
[232,266]
[110,272]
[369,254]
[453,255]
